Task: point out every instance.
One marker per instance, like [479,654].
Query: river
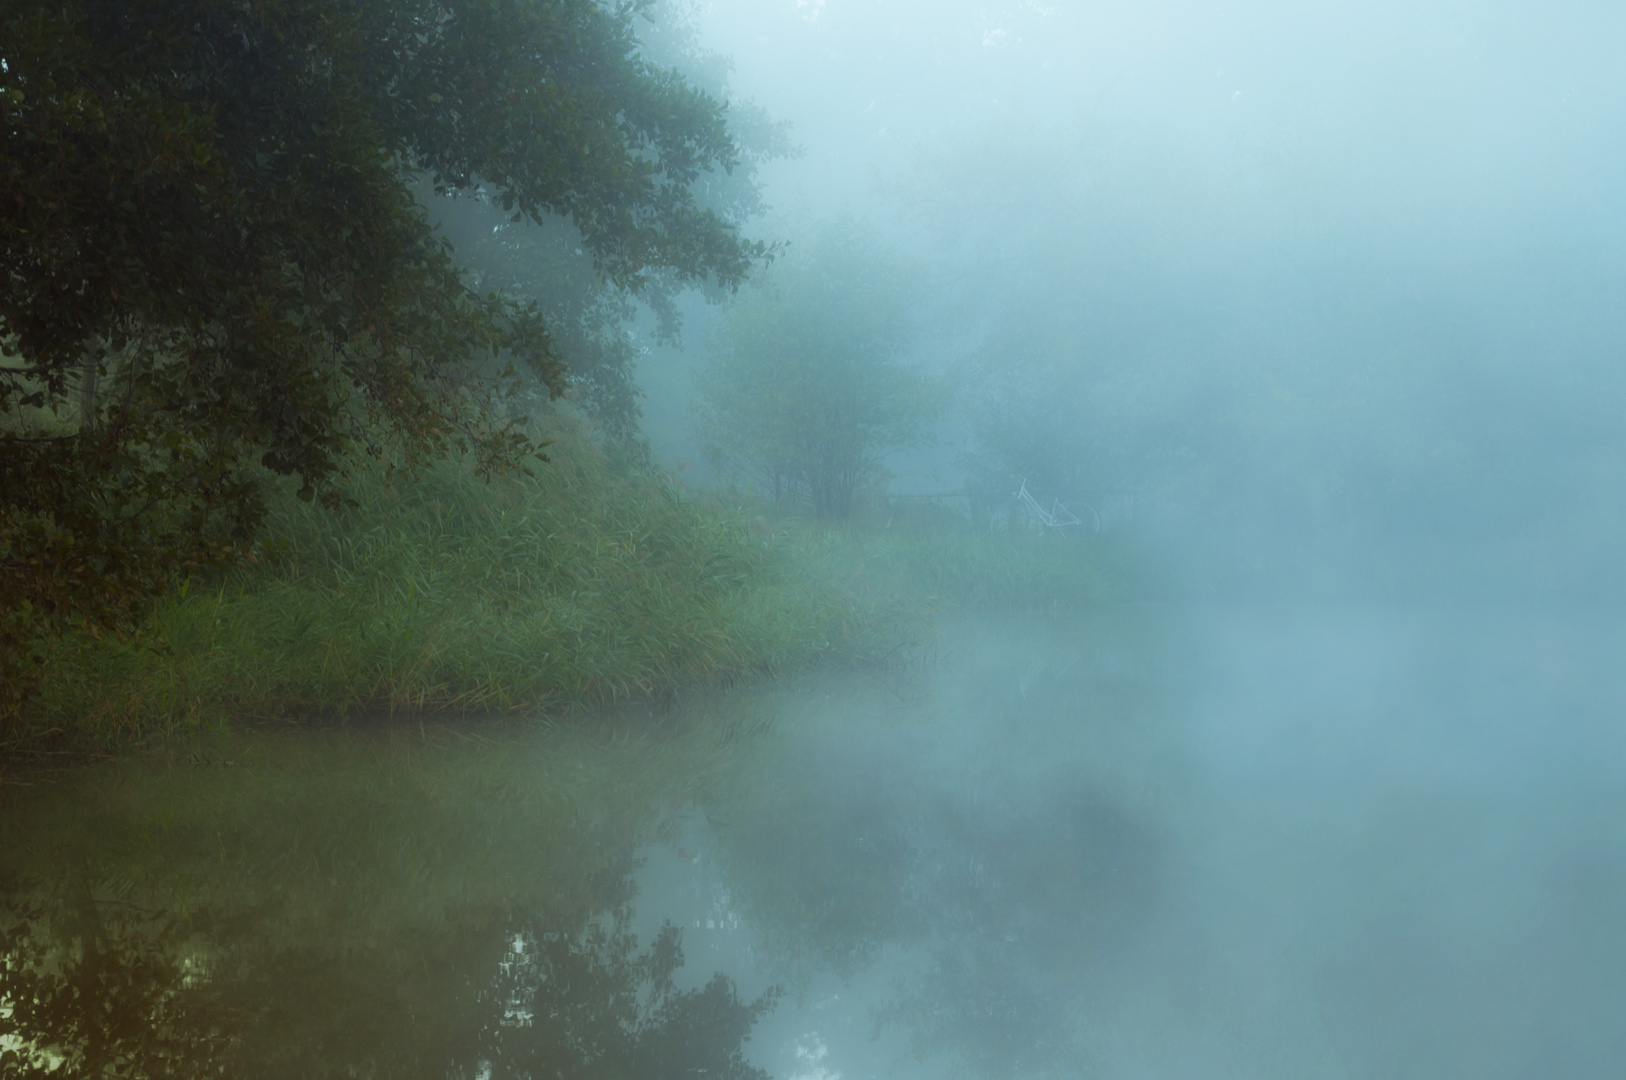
[1144,842]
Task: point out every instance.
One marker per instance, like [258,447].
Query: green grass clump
[582,585]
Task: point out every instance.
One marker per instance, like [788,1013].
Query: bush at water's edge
[582,585]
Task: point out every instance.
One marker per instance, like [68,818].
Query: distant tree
[212,259]
[1045,400]
[807,386]
[1079,366]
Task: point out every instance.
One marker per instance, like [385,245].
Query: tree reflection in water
[358,906]
[385,905]
[122,993]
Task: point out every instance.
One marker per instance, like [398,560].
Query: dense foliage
[213,260]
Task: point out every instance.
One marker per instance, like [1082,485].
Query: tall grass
[574,588]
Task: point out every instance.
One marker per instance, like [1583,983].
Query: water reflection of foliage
[349,904]
[104,1004]
[591,1007]
[121,996]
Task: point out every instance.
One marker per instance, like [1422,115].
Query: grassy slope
[575,588]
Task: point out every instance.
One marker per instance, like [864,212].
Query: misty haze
[813,539]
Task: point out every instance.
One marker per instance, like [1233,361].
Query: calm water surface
[1224,843]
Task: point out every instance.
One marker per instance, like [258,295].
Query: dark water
[1227,843]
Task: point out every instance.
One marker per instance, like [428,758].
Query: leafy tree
[213,260]
[591,322]
[807,386]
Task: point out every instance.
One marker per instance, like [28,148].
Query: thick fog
[1320,303]
[1322,295]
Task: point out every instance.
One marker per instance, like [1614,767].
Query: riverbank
[583,585]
